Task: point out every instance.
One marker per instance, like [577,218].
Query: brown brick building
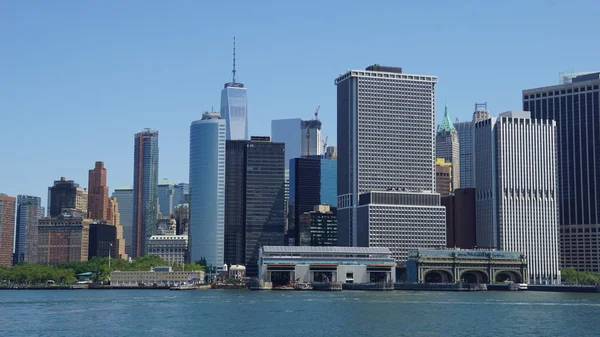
[63,239]
[460,218]
[97,193]
[7,229]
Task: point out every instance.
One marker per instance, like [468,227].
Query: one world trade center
[234,107]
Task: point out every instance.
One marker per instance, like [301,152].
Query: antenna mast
[233,60]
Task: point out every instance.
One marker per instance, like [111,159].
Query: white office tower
[310,138]
[516,197]
[386,165]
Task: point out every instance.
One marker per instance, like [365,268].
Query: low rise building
[284,264]
[157,275]
[171,248]
[319,227]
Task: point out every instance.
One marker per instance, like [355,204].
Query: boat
[522,286]
[302,286]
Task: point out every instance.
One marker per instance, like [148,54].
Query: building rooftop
[463,253]
[124,187]
[325,250]
[166,181]
[446,124]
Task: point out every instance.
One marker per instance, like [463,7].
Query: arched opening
[438,276]
[474,277]
[509,276]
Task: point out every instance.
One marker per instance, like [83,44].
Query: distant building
[66,195]
[166,197]
[460,219]
[447,147]
[63,239]
[161,276]
[465,141]
[443,177]
[517,206]
[254,206]
[169,247]
[234,107]
[313,182]
[182,217]
[318,227]
[7,229]
[331,153]
[103,241]
[310,140]
[207,186]
[289,132]
[114,218]
[97,193]
[181,191]
[145,186]
[29,211]
[124,196]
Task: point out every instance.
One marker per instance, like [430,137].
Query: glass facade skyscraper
[124,196]
[288,131]
[234,110]
[207,189]
[145,186]
[166,197]
[29,211]
[181,191]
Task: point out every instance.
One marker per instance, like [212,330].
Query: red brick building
[98,193]
[7,229]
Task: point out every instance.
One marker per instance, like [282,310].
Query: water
[292,313]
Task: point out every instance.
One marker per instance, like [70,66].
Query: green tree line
[571,276]
[65,273]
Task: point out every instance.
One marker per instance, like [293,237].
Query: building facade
[318,227]
[97,193]
[182,217]
[575,106]
[166,197]
[161,276]
[181,191]
[310,138]
[170,247]
[289,132]
[145,194]
[103,241]
[234,107]
[207,189]
[7,229]
[331,152]
[516,195]
[465,141]
[386,142]
[124,197]
[114,218]
[66,195]
[460,219]
[443,177]
[29,211]
[447,147]
[63,239]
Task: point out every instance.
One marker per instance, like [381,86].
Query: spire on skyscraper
[446,124]
[233,71]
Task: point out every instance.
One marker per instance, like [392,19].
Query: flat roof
[464,253]
[325,250]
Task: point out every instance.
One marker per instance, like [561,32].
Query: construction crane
[309,125]
[325,145]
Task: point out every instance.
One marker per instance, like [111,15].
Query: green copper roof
[166,182]
[446,124]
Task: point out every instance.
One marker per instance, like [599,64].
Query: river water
[293,313]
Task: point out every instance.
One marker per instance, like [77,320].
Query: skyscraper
[29,211]
[66,195]
[288,131]
[181,191]
[254,199]
[114,219]
[575,107]
[166,197]
[443,177]
[310,140]
[97,193]
[7,229]
[465,141]
[516,194]
[124,196]
[207,189]
[447,147]
[145,185]
[386,143]
[234,107]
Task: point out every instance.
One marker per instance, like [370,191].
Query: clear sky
[79,78]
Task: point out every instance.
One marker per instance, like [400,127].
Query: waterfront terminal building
[284,264]
[161,276]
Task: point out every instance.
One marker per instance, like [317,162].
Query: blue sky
[79,78]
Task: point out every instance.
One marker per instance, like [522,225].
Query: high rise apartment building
[124,197]
[575,106]
[97,193]
[516,194]
[145,185]
[65,196]
[289,132]
[207,189]
[166,197]
[465,141]
[254,211]
[7,229]
[29,211]
[386,142]
[447,147]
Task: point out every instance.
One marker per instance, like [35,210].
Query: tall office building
[66,195]
[575,107]
[97,192]
[331,152]
[465,141]
[234,107]
[145,185]
[310,140]
[516,195]
[124,196]
[103,240]
[385,134]
[61,239]
[254,212]
[166,197]
[181,191]
[460,219]
[114,219]
[443,177]
[29,211]
[318,227]
[447,147]
[289,132]
[207,189]
[313,182]
[7,229]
